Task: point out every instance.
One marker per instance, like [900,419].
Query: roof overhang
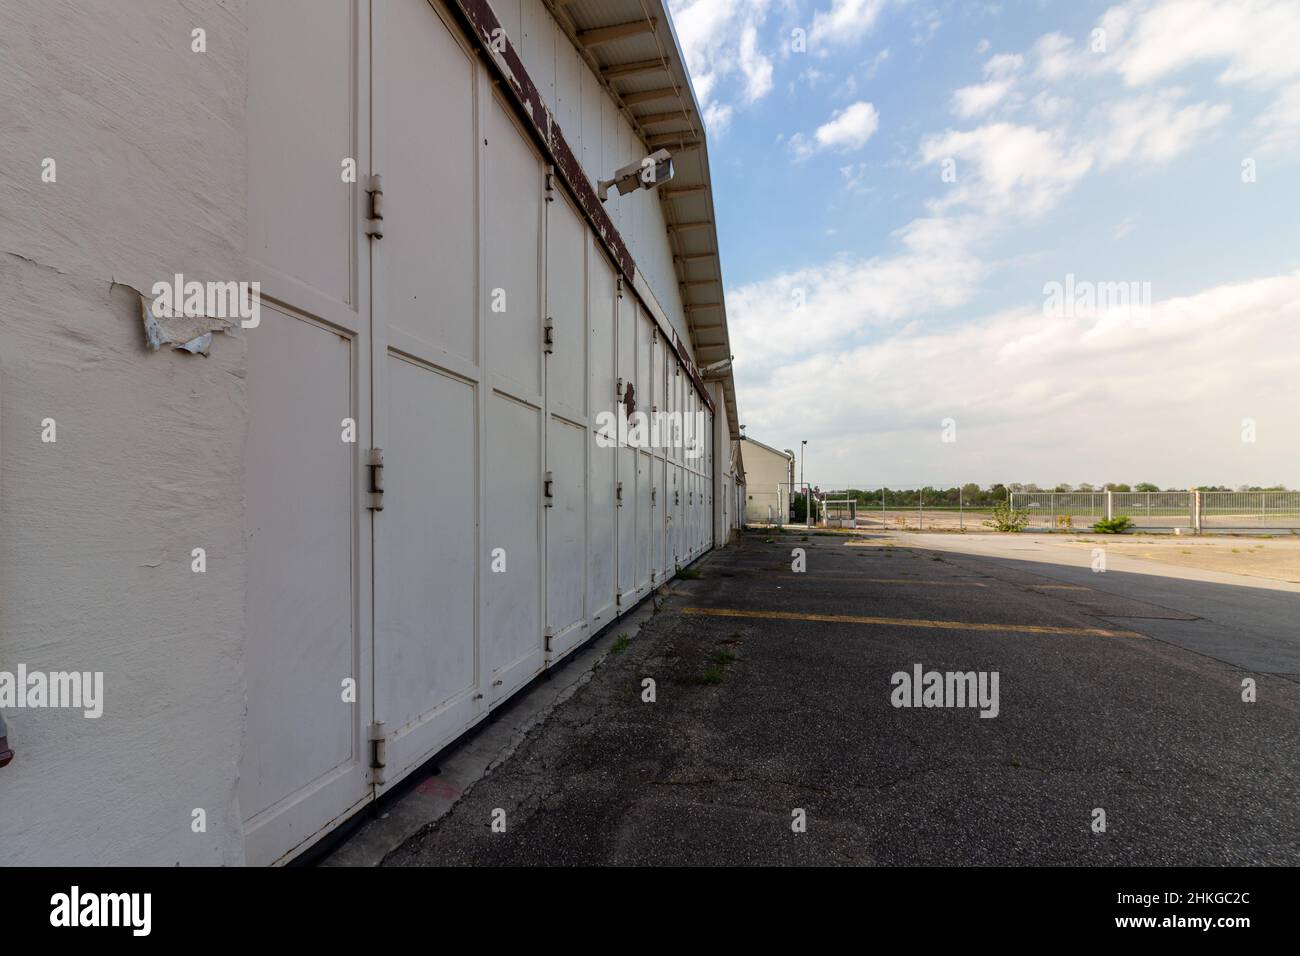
[632,48]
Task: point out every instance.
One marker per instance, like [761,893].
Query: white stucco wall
[97,528]
[764,472]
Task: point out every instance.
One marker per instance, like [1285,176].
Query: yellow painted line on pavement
[909,622]
[1059,587]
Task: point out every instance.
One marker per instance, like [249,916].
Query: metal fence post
[1107,512]
[1196,512]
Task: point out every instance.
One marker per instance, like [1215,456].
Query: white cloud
[1278,127]
[1151,129]
[717,117]
[877,62]
[926,24]
[756,67]
[1038,399]
[824,305]
[847,129]
[1001,72]
[845,22]
[720,41]
[855,177]
[1003,167]
[974,100]
[1057,57]
[1048,107]
[1004,65]
[1255,40]
[1252,42]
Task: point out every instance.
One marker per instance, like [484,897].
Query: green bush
[1006,518]
[1113,525]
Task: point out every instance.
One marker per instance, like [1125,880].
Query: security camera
[646,173]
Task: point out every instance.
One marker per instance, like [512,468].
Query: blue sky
[898,182]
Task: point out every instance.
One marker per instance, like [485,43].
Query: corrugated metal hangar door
[458,363]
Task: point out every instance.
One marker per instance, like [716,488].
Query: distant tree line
[974,496]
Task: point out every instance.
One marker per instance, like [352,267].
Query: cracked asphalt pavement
[757,717]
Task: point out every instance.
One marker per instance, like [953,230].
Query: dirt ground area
[1276,558]
[1259,555]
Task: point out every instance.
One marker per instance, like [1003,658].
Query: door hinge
[550,184]
[548,335]
[677,497]
[549,636]
[375,221]
[620,287]
[618,493]
[548,488]
[375,462]
[654,493]
[378,751]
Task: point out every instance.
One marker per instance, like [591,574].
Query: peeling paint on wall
[189,333]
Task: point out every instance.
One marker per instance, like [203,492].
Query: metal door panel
[566,427]
[430,176]
[663,560]
[513,197]
[514,441]
[644,516]
[425,572]
[644,352]
[304,760]
[566,537]
[512,618]
[627,558]
[566,309]
[601,517]
[427,385]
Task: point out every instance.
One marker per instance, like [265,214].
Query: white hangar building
[309,550]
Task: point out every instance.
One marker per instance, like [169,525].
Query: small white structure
[839,513]
[769,478]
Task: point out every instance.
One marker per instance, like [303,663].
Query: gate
[1250,510]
